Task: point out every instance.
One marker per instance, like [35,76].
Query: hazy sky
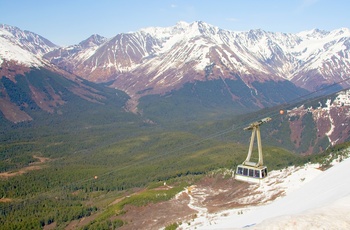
[68,22]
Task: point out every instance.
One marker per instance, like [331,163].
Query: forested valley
[74,164]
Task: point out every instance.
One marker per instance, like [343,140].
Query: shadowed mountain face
[45,92]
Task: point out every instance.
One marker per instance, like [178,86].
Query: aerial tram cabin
[253,171]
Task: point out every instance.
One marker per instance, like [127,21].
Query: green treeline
[42,210]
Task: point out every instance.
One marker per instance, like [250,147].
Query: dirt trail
[32,166]
[4,200]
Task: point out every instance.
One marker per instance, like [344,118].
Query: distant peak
[257,31]
[316,33]
[342,31]
[8,27]
[93,40]
[201,24]
[182,24]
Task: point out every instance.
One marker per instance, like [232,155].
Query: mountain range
[159,60]
[184,72]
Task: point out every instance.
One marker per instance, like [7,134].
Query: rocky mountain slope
[320,125]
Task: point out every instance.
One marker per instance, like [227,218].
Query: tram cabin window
[245,171]
[256,173]
[264,173]
[240,171]
[251,172]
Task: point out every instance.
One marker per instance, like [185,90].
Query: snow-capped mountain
[156,60]
[68,58]
[325,57]
[162,59]
[248,65]
[30,83]
[23,47]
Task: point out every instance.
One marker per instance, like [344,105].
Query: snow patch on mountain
[23,47]
[331,118]
[11,51]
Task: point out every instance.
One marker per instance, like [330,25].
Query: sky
[68,22]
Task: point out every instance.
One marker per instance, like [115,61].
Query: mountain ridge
[166,58]
[163,58]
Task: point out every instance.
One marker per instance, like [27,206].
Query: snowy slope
[323,54]
[23,47]
[322,202]
[79,53]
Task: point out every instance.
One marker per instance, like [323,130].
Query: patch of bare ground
[77,224]
[12,112]
[155,216]
[50,226]
[41,159]
[5,200]
[224,194]
[211,194]
[32,166]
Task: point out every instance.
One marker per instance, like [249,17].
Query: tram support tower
[253,171]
